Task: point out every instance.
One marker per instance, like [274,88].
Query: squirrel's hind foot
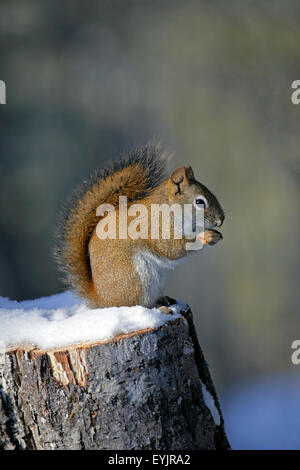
[165,310]
[163,304]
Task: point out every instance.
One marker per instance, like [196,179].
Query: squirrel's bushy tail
[133,175]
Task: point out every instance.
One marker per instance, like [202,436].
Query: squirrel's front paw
[210,237]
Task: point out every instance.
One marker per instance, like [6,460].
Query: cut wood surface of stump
[149,389]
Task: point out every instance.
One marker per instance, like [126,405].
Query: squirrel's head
[183,188]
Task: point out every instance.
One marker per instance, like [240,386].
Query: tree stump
[150,389]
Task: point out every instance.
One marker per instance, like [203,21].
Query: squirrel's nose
[219,221]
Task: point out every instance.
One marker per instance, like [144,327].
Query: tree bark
[143,390]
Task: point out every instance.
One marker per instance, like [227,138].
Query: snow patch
[64,319]
[210,403]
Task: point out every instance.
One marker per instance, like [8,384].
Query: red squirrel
[125,271]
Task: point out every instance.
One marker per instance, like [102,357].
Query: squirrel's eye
[200,200]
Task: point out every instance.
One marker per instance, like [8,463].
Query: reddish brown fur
[102,271]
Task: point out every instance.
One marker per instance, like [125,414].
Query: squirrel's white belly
[153,272]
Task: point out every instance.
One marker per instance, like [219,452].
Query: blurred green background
[211,80]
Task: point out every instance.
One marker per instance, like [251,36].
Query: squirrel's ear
[180,178]
[189,173]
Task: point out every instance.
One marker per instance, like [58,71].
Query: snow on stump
[146,389]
